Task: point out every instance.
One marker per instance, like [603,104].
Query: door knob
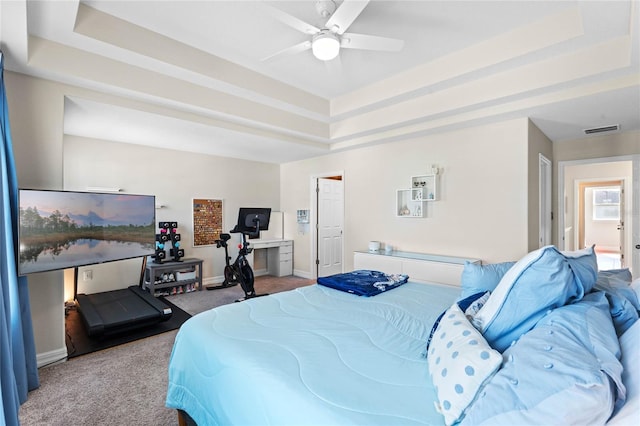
[638,246]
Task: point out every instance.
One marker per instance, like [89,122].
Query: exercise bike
[250,223]
[238,272]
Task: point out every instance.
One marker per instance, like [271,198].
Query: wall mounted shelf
[410,201]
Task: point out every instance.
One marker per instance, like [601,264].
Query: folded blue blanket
[363,282]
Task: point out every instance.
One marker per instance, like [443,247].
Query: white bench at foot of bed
[420,267]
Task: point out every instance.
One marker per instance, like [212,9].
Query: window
[606,203]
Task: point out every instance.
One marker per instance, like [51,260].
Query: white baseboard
[51,357]
[302,274]
[260,272]
[212,280]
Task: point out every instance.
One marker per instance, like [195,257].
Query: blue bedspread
[363,282]
[310,356]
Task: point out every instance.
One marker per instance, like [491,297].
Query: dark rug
[80,343]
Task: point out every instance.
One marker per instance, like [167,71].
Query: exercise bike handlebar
[249,233]
[253,234]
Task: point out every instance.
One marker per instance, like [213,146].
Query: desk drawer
[262,245]
[286,268]
[286,249]
[284,257]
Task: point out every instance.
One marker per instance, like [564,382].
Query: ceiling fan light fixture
[325,46]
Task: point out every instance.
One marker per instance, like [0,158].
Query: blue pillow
[462,304]
[566,370]
[584,265]
[623,274]
[480,278]
[623,313]
[617,281]
[541,280]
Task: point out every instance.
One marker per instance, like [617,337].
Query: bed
[320,356]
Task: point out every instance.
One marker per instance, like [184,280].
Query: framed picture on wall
[207,221]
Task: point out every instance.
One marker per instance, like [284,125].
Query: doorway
[544,201]
[576,180]
[600,222]
[328,216]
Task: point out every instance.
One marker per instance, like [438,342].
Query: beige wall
[46,159]
[485,207]
[175,178]
[538,144]
[616,144]
[482,207]
[35,113]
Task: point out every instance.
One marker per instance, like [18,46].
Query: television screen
[65,229]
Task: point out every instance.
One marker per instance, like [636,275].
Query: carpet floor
[125,384]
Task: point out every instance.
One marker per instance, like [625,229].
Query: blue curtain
[18,366]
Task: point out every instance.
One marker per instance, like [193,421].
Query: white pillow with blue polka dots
[460,361]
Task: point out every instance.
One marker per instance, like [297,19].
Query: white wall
[482,207]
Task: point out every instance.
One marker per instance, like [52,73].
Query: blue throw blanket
[363,282]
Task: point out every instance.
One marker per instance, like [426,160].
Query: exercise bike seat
[222,242]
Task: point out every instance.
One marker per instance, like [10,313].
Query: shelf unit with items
[406,206]
[410,201]
[424,188]
[180,276]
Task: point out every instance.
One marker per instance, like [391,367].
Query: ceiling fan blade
[290,20]
[369,42]
[344,16]
[300,47]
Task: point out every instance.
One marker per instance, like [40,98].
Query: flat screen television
[66,229]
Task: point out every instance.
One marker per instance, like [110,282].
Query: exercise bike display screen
[252,220]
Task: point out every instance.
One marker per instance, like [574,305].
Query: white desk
[279,256]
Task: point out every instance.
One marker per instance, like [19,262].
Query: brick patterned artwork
[207,221]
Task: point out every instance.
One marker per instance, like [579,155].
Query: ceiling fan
[326,42]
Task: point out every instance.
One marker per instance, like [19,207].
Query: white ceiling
[189,74]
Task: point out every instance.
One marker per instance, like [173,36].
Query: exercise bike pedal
[221,286]
[251,297]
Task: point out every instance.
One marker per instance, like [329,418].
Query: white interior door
[544,188]
[330,226]
[623,260]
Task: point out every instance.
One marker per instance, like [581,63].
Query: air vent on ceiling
[602,129]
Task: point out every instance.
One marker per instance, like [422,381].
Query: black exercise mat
[80,343]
